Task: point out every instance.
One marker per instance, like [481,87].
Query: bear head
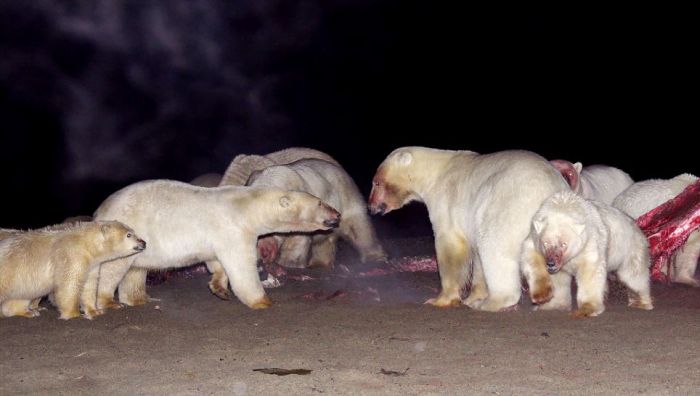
[120,239]
[558,229]
[392,186]
[296,211]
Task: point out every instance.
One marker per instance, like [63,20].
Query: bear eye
[128,235]
[563,244]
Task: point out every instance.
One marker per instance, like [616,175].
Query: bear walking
[575,237]
[56,260]
[187,224]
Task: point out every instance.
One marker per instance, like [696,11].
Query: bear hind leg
[218,284]
[686,262]
[18,308]
[132,289]
[634,274]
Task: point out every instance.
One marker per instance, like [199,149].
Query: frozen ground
[354,340]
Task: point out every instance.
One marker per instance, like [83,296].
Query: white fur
[481,208]
[186,224]
[644,196]
[591,239]
[602,183]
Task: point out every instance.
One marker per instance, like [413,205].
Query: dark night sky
[97,95]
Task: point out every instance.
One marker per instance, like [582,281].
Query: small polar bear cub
[56,260]
[572,236]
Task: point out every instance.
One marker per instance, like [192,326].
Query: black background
[97,95]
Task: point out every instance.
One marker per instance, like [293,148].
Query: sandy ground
[355,341]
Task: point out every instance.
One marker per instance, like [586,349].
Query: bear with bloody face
[583,239]
[480,207]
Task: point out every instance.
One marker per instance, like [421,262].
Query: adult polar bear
[646,195]
[481,209]
[186,224]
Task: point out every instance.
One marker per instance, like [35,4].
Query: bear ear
[404,158]
[285,201]
[105,229]
[538,225]
[578,166]
[253,176]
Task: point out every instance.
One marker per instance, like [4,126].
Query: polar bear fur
[187,224]
[601,183]
[207,180]
[644,196]
[56,260]
[584,239]
[480,207]
[243,165]
[285,250]
[334,186]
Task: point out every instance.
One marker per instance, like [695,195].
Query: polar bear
[56,260]
[187,224]
[480,207]
[291,250]
[243,165]
[207,180]
[644,196]
[585,239]
[334,186]
[598,182]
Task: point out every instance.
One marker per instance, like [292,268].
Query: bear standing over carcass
[480,207]
[643,196]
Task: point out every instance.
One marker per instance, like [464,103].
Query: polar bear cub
[572,236]
[55,260]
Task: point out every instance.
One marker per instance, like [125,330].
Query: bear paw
[444,302]
[217,290]
[263,303]
[542,293]
[587,310]
[69,314]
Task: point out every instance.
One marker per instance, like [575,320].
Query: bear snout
[140,246]
[333,222]
[377,209]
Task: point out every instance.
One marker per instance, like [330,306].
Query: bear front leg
[132,289]
[478,292]
[591,278]
[18,308]
[69,285]
[294,251]
[561,293]
[88,296]
[218,284]
[239,258]
[532,265]
[453,263]
[110,274]
[323,249]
